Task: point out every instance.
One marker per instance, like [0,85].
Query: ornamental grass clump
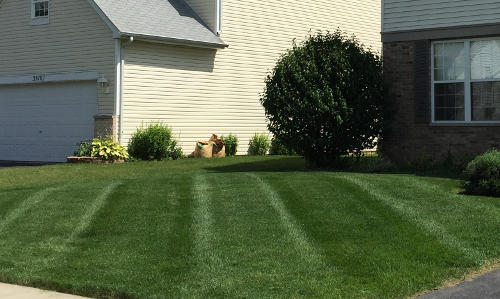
[154,143]
[325,98]
[482,175]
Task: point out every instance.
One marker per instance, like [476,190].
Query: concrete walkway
[486,286]
[8,291]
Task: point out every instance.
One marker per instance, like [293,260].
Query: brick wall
[411,134]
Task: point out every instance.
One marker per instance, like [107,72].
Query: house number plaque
[38,78]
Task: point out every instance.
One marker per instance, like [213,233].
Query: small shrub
[259,145]
[84,149]
[107,149]
[154,143]
[278,148]
[231,143]
[482,175]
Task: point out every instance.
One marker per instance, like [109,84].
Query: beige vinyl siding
[403,15]
[201,91]
[207,10]
[75,40]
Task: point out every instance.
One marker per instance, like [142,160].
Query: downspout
[118,89]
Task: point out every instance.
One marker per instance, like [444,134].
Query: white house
[73,69]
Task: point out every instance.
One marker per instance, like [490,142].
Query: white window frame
[467,83]
[41,20]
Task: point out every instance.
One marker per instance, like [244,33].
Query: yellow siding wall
[75,40]
[207,10]
[200,91]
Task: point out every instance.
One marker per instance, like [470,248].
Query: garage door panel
[45,122]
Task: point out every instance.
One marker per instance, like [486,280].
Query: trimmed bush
[482,175]
[259,145]
[278,148]
[325,98]
[231,143]
[154,143]
[107,149]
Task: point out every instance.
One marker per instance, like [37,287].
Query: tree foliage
[325,98]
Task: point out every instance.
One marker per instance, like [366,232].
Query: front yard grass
[238,227]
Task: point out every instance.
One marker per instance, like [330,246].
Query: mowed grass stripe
[25,205]
[307,250]
[92,210]
[414,215]
[203,231]
[473,220]
[63,247]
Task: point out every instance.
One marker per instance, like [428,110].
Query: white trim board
[44,78]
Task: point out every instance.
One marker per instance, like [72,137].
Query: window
[466,81]
[39,12]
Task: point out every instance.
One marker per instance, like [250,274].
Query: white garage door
[43,122]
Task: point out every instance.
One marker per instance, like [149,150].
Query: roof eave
[104,17]
[174,41]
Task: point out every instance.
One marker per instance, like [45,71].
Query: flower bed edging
[74,159]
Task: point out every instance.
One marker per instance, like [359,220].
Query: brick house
[442,66]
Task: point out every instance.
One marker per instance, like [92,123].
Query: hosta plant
[109,150]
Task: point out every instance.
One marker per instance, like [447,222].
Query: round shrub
[259,145]
[325,98]
[154,143]
[231,143]
[482,175]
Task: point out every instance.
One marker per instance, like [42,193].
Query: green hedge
[482,175]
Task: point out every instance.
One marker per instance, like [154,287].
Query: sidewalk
[8,291]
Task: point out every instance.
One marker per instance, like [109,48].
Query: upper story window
[466,81]
[39,12]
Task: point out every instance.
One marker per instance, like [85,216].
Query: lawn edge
[84,290]
[487,267]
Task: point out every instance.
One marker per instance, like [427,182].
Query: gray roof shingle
[169,20]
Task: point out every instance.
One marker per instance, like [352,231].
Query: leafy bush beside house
[259,145]
[84,149]
[325,98]
[231,143]
[482,175]
[154,143]
[102,148]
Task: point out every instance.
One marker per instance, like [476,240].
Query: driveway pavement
[8,291]
[5,164]
[484,287]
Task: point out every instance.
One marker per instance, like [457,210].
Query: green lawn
[238,227]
